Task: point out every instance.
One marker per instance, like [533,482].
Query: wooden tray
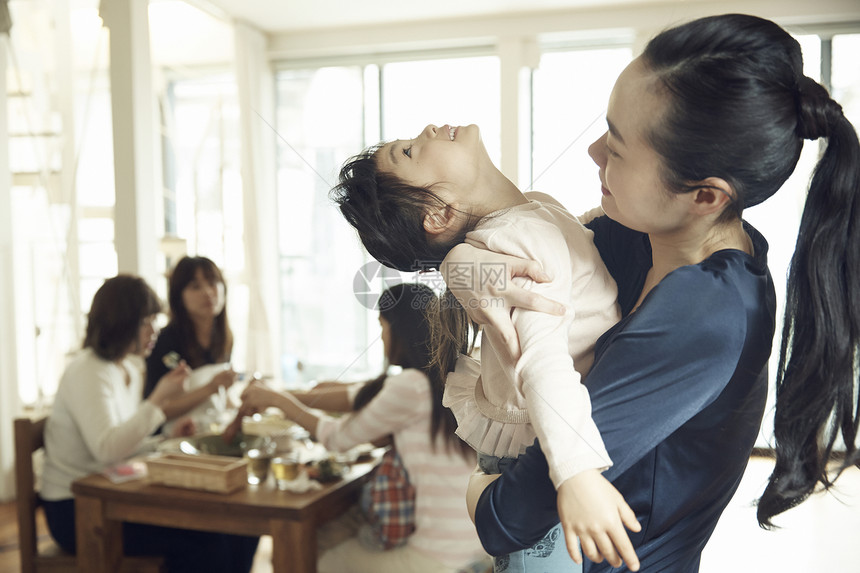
[220,474]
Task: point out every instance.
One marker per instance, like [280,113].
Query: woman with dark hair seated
[198,334]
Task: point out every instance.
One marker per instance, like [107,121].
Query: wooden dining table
[101,507]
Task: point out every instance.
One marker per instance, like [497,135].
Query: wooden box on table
[220,474]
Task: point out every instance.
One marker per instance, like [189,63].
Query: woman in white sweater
[408,406]
[99,419]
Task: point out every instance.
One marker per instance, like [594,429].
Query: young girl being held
[411,202]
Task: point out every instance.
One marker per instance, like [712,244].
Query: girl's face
[633,192]
[385,336]
[450,160]
[146,335]
[203,299]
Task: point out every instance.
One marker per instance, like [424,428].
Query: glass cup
[285,469]
[259,462]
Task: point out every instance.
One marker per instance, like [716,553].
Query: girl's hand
[482,282]
[592,509]
[170,385]
[257,397]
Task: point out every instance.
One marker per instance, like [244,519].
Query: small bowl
[214,444]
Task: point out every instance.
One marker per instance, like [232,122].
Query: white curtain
[256,111]
[10,313]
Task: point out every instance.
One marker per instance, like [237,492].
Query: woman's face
[451,160]
[146,335]
[633,192]
[386,335]
[203,299]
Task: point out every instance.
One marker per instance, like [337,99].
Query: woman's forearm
[330,398]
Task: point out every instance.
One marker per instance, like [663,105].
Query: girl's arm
[334,397]
[257,397]
[558,403]
[403,399]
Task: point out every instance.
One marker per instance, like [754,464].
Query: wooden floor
[819,535]
[9,559]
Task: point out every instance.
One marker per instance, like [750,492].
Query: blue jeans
[549,555]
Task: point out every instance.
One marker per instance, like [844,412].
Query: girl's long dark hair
[739,109]
[221,346]
[408,308]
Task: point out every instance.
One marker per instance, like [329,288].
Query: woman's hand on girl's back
[170,385]
[481,292]
[592,509]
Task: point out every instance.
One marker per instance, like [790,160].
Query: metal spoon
[187,447]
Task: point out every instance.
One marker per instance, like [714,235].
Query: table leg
[294,546]
[99,540]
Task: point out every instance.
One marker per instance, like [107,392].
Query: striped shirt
[403,408]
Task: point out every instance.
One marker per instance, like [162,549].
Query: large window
[319,124]
[570,92]
[326,115]
[845,74]
[452,91]
[61,159]
[202,186]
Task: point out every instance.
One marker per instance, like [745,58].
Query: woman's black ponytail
[816,382]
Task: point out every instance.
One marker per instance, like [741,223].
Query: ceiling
[286,15]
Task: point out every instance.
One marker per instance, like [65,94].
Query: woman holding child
[709,120]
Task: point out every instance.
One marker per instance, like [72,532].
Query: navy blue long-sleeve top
[677,389]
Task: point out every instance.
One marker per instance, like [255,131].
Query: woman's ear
[712,195]
[439,220]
